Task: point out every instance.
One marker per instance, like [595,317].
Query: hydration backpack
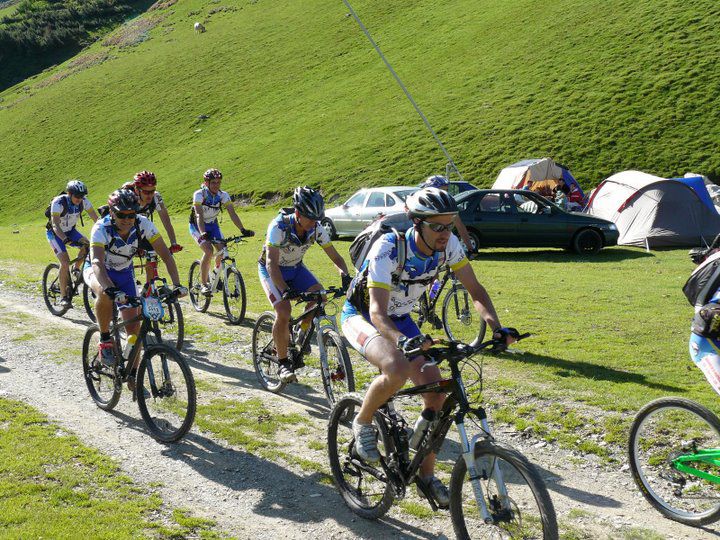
[703,282]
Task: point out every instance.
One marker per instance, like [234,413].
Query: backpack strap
[401,248]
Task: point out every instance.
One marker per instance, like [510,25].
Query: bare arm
[336,258]
[199,218]
[56,228]
[464,236]
[93,215]
[165,218]
[162,250]
[480,297]
[234,217]
[272,258]
[97,259]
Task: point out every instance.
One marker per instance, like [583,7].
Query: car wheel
[329,227]
[474,240]
[587,242]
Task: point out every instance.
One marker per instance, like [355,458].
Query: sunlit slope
[295,94]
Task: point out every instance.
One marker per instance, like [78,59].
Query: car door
[374,206]
[495,218]
[540,223]
[346,220]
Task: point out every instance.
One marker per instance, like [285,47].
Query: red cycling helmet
[145,178]
[211,174]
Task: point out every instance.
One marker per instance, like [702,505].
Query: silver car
[363,207]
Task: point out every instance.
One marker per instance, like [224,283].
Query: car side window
[528,205]
[376,200]
[355,200]
[453,189]
[489,203]
[390,200]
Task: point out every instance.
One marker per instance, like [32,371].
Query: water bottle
[421,427]
[132,338]
[434,289]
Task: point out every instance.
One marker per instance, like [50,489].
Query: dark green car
[517,218]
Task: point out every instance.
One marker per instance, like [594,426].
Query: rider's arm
[234,217]
[57,228]
[379,298]
[336,258]
[165,218]
[272,260]
[464,236]
[97,259]
[159,246]
[93,215]
[199,218]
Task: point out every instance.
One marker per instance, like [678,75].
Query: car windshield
[404,193]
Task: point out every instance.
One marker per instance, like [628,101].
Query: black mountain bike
[335,367]
[164,384]
[52,293]
[458,319]
[494,490]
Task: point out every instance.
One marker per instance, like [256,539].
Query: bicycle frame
[320,320]
[221,267]
[710,456]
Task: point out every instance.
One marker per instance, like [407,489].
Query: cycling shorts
[58,247]
[298,278]
[212,228]
[359,331]
[706,354]
[122,279]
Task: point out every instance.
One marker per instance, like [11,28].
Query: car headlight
[612,227]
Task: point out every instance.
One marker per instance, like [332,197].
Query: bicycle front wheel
[513,491]
[264,354]
[336,369]
[667,435]
[460,320]
[166,393]
[172,325]
[199,301]
[51,290]
[89,301]
[104,387]
[234,295]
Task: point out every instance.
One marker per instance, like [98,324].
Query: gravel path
[254,497]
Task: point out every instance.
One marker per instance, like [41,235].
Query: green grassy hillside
[295,94]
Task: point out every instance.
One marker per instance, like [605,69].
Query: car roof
[388,188]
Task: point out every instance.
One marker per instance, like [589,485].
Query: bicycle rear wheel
[364,487]
[664,431]
[51,290]
[264,354]
[172,325]
[165,391]
[89,301]
[460,320]
[336,368]
[104,387]
[513,491]
[199,301]
[234,295]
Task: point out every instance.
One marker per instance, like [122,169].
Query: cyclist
[145,187]
[282,272]
[65,210]
[376,316]
[441,182]
[114,241]
[207,204]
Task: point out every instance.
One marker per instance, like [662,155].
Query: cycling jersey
[211,204]
[148,209]
[119,252]
[281,234]
[419,270]
[69,218]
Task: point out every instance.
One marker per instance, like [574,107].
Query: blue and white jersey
[211,204]
[68,219]
[118,252]
[281,234]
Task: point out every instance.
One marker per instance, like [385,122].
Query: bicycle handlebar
[309,296]
[166,296]
[228,240]
[451,350]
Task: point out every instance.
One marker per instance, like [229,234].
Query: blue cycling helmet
[436,181]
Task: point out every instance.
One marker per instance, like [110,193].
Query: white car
[363,207]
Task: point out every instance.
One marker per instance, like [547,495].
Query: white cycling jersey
[69,219]
[211,204]
[118,252]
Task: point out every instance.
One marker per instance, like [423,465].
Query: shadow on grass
[561,256]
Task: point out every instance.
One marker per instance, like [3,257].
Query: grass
[294,94]
[50,483]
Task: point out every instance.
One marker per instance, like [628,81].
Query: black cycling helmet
[309,203]
[123,200]
[76,187]
[430,202]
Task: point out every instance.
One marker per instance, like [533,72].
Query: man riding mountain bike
[145,186]
[114,240]
[65,210]
[207,204]
[376,316]
[282,272]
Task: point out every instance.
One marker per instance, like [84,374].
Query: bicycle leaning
[225,277]
[164,384]
[335,367]
[53,295]
[494,489]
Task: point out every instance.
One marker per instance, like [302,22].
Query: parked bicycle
[52,293]
[494,490]
[335,367]
[224,277]
[164,384]
[459,319]
[674,451]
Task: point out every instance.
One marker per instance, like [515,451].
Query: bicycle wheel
[663,431]
[514,493]
[165,391]
[364,488]
[199,301]
[460,320]
[234,295]
[172,325]
[51,290]
[89,301]
[102,384]
[264,354]
[336,368]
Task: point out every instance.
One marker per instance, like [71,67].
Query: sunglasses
[125,215]
[148,191]
[439,227]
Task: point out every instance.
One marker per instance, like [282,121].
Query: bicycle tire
[337,371]
[339,455]
[234,297]
[164,421]
[264,355]
[199,301]
[87,295]
[458,312]
[492,451]
[97,377]
[51,290]
[660,476]
[172,325]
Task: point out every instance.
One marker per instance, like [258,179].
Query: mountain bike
[224,277]
[459,319]
[674,451]
[335,367]
[52,293]
[164,384]
[494,490]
